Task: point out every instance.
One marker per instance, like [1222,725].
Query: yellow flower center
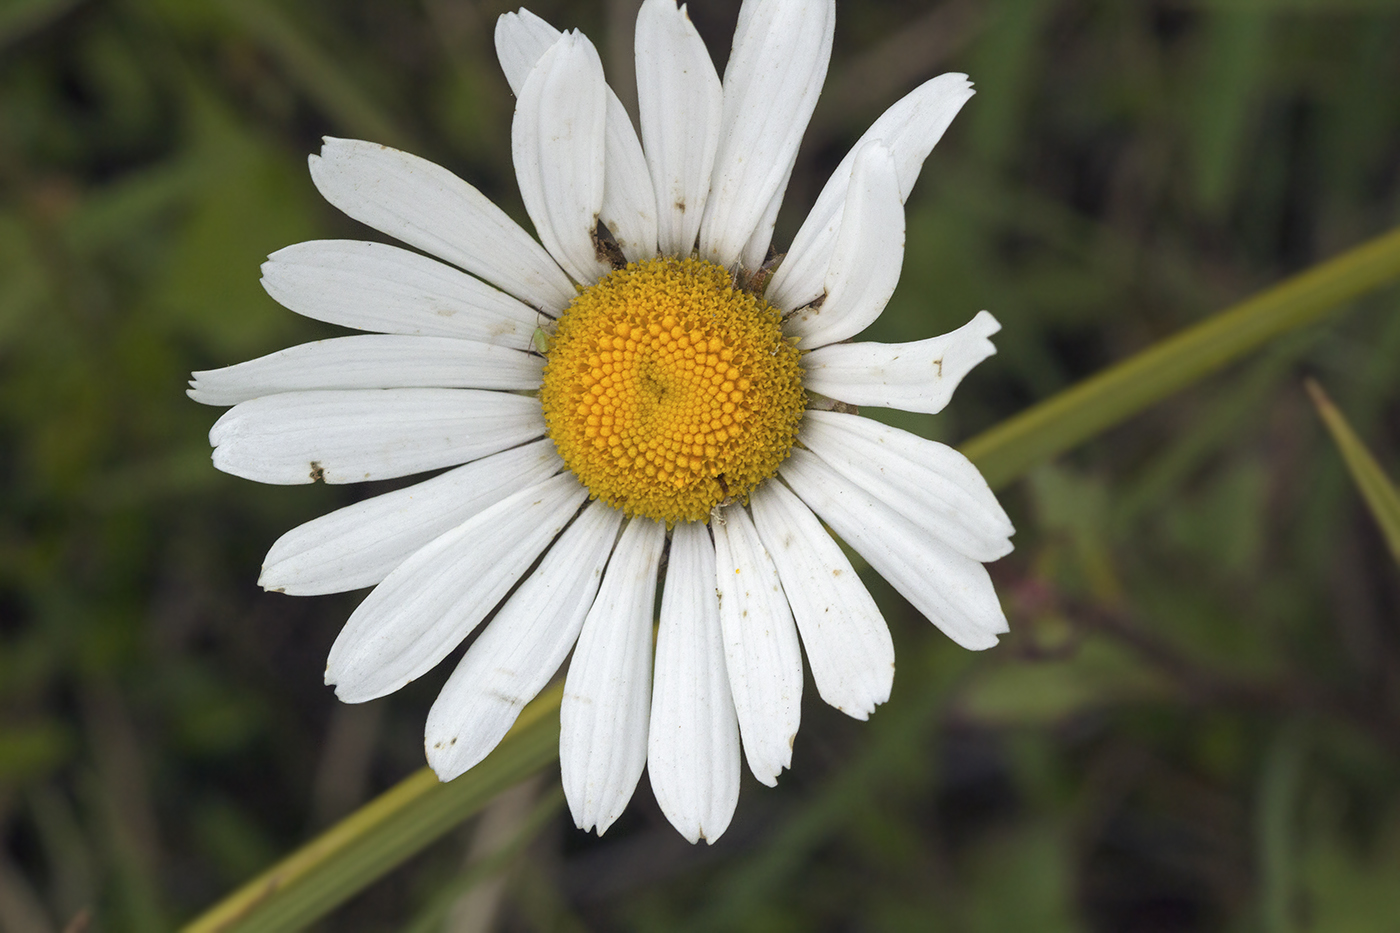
[668,391]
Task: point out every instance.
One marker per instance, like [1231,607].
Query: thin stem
[1087,409]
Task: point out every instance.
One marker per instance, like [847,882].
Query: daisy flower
[646,397]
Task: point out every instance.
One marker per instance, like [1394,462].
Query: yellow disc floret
[668,391]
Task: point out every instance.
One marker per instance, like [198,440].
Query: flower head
[633,385]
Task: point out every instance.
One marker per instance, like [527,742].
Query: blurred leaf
[1231,79]
[1004,65]
[1277,815]
[211,719]
[68,852]
[1021,881]
[19,18]
[29,751]
[1082,412]
[1214,424]
[1075,508]
[1043,692]
[1343,7]
[22,286]
[319,75]
[466,110]
[1382,498]
[252,200]
[1354,892]
[106,216]
[236,843]
[380,835]
[1224,520]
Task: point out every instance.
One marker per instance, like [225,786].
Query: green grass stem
[1087,409]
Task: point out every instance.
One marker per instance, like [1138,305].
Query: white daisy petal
[952,591]
[556,140]
[434,599]
[847,641]
[372,286]
[917,376]
[910,129]
[607,693]
[756,249]
[693,743]
[426,206]
[629,206]
[359,545]
[371,361]
[680,101]
[869,254]
[521,39]
[760,644]
[629,198]
[930,484]
[776,68]
[353,435]
[522,646]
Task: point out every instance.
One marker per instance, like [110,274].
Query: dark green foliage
[1195,723]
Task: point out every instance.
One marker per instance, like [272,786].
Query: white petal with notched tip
[775,72]
[425,205]
[521,648]
[930,484]
[680,101]
[370,361]
[355,435]
[433,600]
[361,544]
[760,645]
[910,128]
[629,206]
[847,642]
[869,255]
[372,286]
[952,591]
[693,741]
[607,693]
[556,141]
[916,376]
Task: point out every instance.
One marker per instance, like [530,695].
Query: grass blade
[374,839]
[1100,402]
[1380,493]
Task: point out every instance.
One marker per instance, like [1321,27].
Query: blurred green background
[1195,722]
